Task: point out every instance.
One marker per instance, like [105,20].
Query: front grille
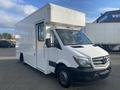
[100,61]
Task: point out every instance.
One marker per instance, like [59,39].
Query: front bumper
[88,74]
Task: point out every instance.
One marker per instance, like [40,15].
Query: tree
[6,36]
[0,36]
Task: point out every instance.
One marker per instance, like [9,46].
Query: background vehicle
[104,31]
[50,40]
[105,35]
[6,44]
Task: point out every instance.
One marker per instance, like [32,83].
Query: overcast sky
[12,11]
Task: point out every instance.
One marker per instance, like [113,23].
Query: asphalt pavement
[17,76]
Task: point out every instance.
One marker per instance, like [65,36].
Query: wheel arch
[61,63]
[64,62]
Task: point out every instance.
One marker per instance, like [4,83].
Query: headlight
[82,61]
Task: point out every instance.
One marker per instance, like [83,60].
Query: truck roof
[52,13]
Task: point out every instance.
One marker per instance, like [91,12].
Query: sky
[12,11]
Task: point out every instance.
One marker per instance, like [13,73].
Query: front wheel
[63,76]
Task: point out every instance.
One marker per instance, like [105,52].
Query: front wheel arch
[59,65]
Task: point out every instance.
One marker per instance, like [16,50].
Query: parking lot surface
[17,76]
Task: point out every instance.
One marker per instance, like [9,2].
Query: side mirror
[48,42]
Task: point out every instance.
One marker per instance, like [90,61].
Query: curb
[8,58]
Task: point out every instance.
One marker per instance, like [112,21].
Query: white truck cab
[54,43]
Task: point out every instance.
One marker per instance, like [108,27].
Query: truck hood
[90,50]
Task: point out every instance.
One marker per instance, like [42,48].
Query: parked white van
[51,41]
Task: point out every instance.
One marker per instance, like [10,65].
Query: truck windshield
[73,37]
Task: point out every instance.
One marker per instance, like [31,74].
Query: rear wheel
[21,57]
[63,76]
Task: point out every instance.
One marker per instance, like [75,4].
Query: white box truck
[105,35]
[51,41]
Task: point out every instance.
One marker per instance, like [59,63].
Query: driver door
[53,50]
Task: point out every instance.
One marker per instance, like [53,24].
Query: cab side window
[55,41]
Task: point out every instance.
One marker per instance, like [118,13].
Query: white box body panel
[56,14]
[64,15]
[26,43]
[103,33]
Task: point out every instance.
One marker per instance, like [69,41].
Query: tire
[21,57]
[63,76]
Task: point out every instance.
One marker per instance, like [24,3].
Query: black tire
[63,76]
[21,57]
